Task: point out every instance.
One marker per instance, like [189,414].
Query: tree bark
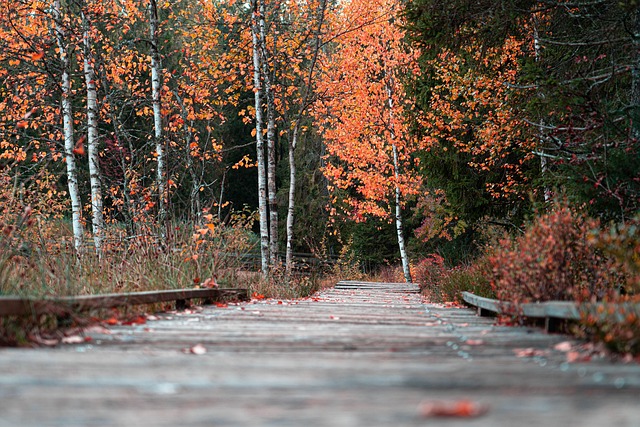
[67,120]
[156,87]
[194,196]
[267,74]
[635,79]
[406,269]
[293,142]
[260,157]
[97,217]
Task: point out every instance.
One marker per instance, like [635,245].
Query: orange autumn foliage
[363,111]
[471,110]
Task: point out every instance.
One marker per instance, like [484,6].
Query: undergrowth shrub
[553,260]
[442,284]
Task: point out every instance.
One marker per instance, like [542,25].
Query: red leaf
[197,349]
[461,408]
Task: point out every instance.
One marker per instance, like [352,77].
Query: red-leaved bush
[553,260]
[441,284]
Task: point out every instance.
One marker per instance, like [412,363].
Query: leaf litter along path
[361,354]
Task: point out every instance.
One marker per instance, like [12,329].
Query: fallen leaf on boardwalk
[97,329]
[474,342]
[222,304]
[258,296]
[138,320]
[334,318]
[48,342]
[564,346]
[529,352]
[73,339]
[461,408]
[111,321]
[197,349]
[575,356]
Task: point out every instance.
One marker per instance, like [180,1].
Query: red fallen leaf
[563,346]
[73,339]
[258,296]
[222,304]
[138,320]
[463,408]
[111,321]
[574,356]
[97,329]
[279,302]
[197,349]
[48,342]
[529,352]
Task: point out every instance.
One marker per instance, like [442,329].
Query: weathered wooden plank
[557,309]
[367,356]
[19,306]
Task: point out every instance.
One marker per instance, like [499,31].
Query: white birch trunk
[69,144]
[271,144]
[260,157]
[97,218]
[541,131]
[156,87]
[399,223]
[292,201]
[293,143]
[398,195]
[635,80]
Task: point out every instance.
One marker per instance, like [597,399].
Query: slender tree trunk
[97,217]
[292,201]
[399,223]
[398,194]
[635,79]
[271,143]
[541,132]
[194,196]
[156,87]
[260,157]
[67,120]
[293,142]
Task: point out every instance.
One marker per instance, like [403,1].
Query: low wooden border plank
[19,306]
[557,309]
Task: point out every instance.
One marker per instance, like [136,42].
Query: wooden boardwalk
[357,355]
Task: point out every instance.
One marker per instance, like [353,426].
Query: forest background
[484,145]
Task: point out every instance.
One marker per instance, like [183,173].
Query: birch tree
[305,101]
[156,87]
[256,39]
[70,147]
[370,163]
[92,138]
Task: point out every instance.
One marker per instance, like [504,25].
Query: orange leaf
[37,55]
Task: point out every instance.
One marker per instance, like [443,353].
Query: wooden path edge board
[563,310]
[19,306]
